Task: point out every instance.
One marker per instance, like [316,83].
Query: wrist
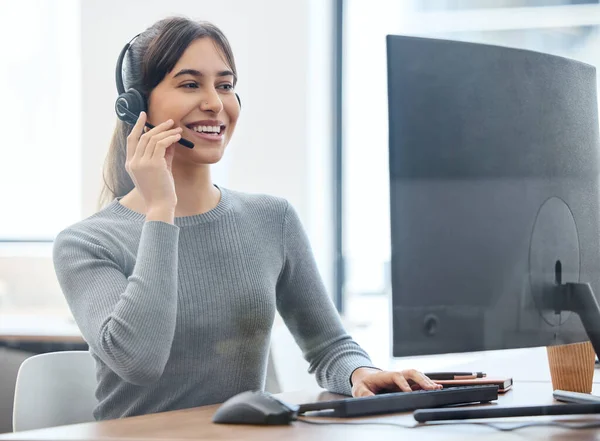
[164,214]
[361,372]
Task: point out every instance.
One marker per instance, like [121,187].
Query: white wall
[283,141]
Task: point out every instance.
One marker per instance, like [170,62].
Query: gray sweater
[178,316]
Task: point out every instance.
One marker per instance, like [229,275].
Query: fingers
[420,379]
[134,135]
[142,144]
[401,382]
[405,381]
[157,142]
[162,145]
[361,391]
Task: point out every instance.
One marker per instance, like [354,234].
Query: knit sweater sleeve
[128,322]
[310,315]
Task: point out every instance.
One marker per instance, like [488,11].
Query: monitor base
[580,299]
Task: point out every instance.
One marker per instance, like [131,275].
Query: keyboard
[403,401]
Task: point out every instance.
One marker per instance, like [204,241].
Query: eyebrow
[197,73]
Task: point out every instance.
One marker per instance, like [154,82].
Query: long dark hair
[152,55]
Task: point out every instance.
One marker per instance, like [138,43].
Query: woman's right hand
[149,161]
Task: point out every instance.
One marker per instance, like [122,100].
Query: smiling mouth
[215,130]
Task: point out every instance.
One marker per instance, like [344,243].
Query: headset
[131,103]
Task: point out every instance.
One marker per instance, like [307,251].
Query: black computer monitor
[494,191]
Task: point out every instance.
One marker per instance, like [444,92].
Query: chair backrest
[55,389]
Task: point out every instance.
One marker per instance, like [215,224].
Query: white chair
[55,389]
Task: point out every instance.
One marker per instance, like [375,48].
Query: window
[40,89]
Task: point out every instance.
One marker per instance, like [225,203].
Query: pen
[455,375]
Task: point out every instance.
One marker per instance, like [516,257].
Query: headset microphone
[132,118]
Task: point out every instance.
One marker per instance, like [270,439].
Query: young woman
[175,282]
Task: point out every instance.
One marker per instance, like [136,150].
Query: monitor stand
[574,297]
[578,298]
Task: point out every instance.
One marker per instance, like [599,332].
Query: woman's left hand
[367,381]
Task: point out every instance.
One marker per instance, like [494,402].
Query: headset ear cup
[120,104]
[137,102]
[239,101]
[134,102]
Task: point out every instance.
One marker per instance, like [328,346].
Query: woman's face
[198,96]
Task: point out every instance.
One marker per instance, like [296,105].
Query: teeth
[207,129]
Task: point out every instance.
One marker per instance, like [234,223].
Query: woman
[175,282]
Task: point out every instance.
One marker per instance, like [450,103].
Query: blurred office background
[313,130]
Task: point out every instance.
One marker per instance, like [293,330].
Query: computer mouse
[255,407]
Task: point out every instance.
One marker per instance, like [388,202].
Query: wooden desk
[196,424]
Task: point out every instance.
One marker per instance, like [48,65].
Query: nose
[211,102]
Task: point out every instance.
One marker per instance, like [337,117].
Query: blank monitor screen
[493,162]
